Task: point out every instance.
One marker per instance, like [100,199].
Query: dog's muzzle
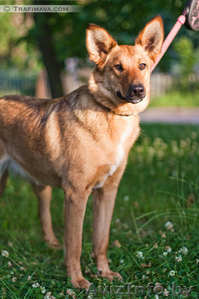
[136,94]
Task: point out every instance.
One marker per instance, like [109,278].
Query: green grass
[160,185]
[177,99]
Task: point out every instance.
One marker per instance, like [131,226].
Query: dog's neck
[103,98]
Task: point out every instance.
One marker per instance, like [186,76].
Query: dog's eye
[142,66]
[119,67]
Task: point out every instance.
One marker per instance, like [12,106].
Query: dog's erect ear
[98,43]
[151,37]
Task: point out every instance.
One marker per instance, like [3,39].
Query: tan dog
[80,142]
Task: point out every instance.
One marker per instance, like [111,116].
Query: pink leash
[181,20]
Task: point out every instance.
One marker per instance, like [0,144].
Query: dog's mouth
[133,99]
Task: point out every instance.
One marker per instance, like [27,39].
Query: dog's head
[123,72]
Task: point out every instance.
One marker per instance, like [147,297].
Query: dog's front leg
[103,205]
[74,210]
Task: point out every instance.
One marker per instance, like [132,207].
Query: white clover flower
[194,135]
[121,261]
[36,285]
[165,253]
[166,293]
[156,297]
[70,293]
[140,255]
[168,225]
[48,295]
[43,290]
[184,250]
[168,248]
[178,258]
[172,273]
[126,198]
[5,253]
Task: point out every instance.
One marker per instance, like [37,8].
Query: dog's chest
[119,152]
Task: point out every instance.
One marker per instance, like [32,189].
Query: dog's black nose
[137,90]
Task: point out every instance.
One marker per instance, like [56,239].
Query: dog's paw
[110,275]
[54,244]
[80,283]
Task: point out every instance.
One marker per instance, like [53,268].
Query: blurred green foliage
[15,49]
[187,58]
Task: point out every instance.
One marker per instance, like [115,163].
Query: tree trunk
[45,43]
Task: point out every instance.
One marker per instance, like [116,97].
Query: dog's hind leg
[44,194]
[3,181]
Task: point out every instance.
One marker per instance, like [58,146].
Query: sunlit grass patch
[177,98]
